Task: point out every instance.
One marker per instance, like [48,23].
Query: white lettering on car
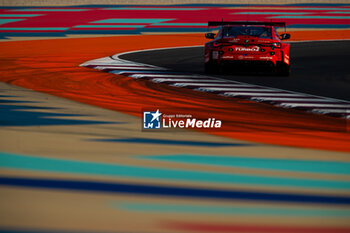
[247,49]
[266,58]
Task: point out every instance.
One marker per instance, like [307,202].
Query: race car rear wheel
[282,69]
[211,68]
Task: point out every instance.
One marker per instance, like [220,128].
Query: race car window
[276,33]
[261,32]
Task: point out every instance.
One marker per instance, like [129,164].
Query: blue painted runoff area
[13,114]
[63,166]
[4,21]
[293,165]
[170,191]
[172,142]
[19,15]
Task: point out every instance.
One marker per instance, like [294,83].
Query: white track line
[126,68]
[327,110]
[134,72]
[167,76]
[297,99]
[234,89]
[313,105]
[258,94]
[159,80]
[210,84]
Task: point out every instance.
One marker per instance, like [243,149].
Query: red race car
[255,44]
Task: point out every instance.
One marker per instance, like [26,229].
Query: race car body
[248,44]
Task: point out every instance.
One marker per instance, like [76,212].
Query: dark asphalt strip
[318,68]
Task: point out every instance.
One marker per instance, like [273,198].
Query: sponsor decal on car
[266,58]
[234,40]
[247,49]
[264,41]
[241,57]
[215,54]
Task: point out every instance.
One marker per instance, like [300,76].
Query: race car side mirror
[210,35]
[285,36]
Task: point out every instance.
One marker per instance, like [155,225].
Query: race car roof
[221,23]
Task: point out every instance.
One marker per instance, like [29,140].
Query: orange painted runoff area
[52,66]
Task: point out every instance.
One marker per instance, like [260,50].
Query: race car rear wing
[221,23]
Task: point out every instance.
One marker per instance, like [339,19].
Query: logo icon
[151,120]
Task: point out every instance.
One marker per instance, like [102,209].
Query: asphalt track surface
[318,68]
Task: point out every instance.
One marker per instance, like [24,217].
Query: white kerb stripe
[292,99]
[293,105]
[236,89]
[327,110]
[126,67]
[210,84]
[258,94]
[167,76]
[126,64]
[159,80]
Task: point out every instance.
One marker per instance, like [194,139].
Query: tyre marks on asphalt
[228,88]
